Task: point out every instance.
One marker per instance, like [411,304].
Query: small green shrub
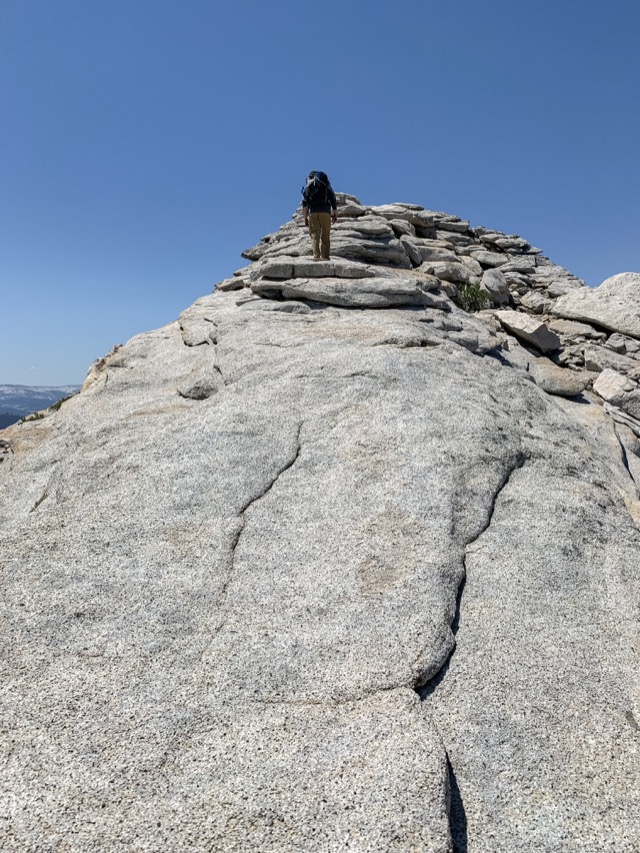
[473,297]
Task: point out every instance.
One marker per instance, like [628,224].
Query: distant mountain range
[17,401]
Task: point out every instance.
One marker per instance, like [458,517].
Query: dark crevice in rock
[196,394]
[411,344]
[217,370]
[430,686]
[632,721]
[242,516]
[457,814]
[40,500]
[517,463]
[625,458]
[289,464]
[425,691]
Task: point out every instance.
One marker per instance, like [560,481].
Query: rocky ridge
[330,563]
[544,306]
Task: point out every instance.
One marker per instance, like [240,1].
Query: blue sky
[146,143]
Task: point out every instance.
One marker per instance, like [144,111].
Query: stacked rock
[405,255]
[407,236]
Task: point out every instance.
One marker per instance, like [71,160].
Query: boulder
[452,223]
[614,305]
[390,252]
[517,282]
[489,259]
[364,226]
[623,344]
[472,265]
[496,286]
[457,273]
[620,391]
[234,283]
[407,212]
[535,302]
[508,242]
[402,227]
[380,292]
[573,330]
[434,253]
[553,379]
[285,268]
[529,329]
[600,357]
[413,252]
[560,287]
[455,238]
[523,264]
[558,381]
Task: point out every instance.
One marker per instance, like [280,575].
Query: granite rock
[536,303]
[329,563]
[573,331]
[496,284]
[380,292]
[600,357]
[489,259]
[614,305]
[529,329]
[620,391]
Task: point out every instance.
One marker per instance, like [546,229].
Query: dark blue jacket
[320,206]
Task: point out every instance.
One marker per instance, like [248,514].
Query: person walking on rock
[320,209]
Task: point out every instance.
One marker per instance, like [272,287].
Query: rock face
[329,563]
[614,306]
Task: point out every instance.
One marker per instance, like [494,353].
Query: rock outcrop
[614,306]
[330,563]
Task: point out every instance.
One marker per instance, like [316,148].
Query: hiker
[320,209]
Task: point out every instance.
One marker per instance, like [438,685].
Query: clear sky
[145,143]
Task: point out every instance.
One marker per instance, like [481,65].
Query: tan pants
[320,231]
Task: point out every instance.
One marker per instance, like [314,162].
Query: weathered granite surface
[329,563]
[529,329]
[615,305]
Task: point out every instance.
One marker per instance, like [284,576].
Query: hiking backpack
[317,188]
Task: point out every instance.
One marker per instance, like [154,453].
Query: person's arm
[305,213]
[334,206]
